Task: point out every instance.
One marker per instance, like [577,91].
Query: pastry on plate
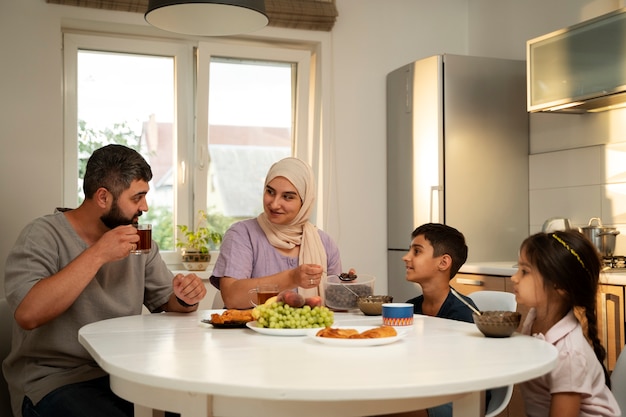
[377,332]
[337,333]
[232,316]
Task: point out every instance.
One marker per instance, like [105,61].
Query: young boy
[436,254]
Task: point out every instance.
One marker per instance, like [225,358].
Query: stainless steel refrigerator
[457,153]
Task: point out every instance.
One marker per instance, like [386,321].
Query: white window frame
[300,128]
[192,59]
[183,119]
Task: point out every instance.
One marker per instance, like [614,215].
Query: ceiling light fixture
[207,17]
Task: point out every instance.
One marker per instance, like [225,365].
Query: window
[247,109]
[209,117]
[250,127]
[131,91]
[129,99]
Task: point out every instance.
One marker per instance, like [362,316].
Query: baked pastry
[232,316]
[337,333]
[382,331]
[377,332]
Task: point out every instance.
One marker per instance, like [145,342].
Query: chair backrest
[6,324]
[500,398]
[494,300]
[618,380]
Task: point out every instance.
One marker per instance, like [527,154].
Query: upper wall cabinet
[579,69]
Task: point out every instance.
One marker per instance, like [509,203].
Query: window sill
[178,269]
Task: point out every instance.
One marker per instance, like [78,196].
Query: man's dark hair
[114,167]
[444,240]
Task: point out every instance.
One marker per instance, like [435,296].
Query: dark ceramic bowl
[497,323]
[372,305]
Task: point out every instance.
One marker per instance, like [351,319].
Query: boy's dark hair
[444,240]
[567,260]
[114,167]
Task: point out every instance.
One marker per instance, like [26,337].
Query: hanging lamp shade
[207,17]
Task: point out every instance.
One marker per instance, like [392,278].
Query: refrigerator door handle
[434,202]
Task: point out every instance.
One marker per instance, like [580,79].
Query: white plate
[357,342]
[278,332]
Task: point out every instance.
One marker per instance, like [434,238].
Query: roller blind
[294,14]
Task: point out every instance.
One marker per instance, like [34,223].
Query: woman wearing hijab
[280,246]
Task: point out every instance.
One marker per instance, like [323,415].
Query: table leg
[196,405]
[470,405]
[188,404]
[141,411]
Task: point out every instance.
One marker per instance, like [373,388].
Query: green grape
[281,316]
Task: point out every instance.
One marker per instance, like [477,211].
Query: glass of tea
[262,293]
[145,239]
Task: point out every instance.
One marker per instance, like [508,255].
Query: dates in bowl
[343,295]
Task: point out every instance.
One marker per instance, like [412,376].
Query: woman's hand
[307,275]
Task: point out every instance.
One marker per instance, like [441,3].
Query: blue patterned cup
[397,314]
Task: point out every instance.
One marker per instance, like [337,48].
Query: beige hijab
[300,231]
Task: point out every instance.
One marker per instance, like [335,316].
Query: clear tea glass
[262,293]
[145,239]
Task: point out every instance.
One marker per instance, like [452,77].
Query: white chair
[6,323]
[618,381]
[494,301]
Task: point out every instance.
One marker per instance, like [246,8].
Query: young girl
[558,274]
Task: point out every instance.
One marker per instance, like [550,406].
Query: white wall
[578,170]
[371,38]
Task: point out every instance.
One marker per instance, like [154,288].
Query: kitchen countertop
[500,268]
[507,268]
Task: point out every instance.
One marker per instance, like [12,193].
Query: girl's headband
[572,251]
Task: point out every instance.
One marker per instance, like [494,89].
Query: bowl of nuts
[372,305]
[497,323]
[342,294]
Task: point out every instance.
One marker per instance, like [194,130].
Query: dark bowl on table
[497,323]
[372,305]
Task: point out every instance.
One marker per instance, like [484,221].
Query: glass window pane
[129,99]
[250,127]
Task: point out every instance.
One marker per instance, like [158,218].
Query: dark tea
[145,238]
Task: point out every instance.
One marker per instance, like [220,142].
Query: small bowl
[497,323]
[372,305]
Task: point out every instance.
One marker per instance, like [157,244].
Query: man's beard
[115,218]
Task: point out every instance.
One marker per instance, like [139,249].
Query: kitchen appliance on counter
[457,153]
[556,223]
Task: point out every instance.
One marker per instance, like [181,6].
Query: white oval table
[174,362]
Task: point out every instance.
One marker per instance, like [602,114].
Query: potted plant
[196,243]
